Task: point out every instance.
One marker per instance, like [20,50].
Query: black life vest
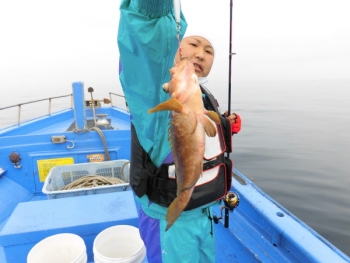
[158,182]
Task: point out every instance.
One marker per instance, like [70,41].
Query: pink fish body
[189,123]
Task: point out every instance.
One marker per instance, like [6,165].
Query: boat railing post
[49,106]
[19,114]
[110,97]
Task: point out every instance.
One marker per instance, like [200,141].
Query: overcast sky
[49,44]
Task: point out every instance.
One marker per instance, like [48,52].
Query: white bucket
[121,244]
[60,248]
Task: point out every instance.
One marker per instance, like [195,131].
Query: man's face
[200,52]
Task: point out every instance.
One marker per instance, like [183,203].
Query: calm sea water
[294,144]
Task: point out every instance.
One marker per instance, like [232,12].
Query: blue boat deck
[257,231]
[31,222]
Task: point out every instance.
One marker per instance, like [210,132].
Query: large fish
[189,123]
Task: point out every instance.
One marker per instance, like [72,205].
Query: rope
[90,181]
[103,141]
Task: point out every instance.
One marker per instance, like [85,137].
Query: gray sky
[49,44]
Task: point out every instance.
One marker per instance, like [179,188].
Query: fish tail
[177,206]
[171,104]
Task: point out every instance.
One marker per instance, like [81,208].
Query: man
[147,46]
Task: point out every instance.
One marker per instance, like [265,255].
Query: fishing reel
[231,201]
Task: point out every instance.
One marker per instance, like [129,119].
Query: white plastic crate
[60,176]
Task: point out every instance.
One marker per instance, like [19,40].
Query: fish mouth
[197,67]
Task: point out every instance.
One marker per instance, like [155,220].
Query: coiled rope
[90,181]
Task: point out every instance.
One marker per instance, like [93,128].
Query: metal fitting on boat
[15,158]
[62,139]
[102,120]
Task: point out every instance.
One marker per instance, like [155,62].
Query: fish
[189,122]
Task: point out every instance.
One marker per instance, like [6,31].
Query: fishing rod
[230,63]
[231,200]
[230,54]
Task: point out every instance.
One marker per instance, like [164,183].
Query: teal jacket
[147,45]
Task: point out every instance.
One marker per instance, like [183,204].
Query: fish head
[183,78]
[184,66]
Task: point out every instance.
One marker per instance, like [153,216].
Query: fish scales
[188,149]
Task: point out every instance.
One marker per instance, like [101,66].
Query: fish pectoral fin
[209,127]
[214,116]
[171,104]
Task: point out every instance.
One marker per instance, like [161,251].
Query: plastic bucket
[60,248]
[121,244]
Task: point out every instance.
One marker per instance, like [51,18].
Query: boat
[94,134]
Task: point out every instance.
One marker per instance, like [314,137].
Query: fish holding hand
[190,121]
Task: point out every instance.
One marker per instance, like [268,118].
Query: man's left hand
[235,121]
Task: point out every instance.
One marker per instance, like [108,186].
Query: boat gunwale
[244,188]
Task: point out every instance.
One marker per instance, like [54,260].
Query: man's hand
[235,121]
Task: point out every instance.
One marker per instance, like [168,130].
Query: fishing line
[177,8]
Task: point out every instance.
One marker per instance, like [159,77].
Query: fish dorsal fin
[171,104]
[214,116]
[209,127]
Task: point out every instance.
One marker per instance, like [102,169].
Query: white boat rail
[19,105]
[118,95]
